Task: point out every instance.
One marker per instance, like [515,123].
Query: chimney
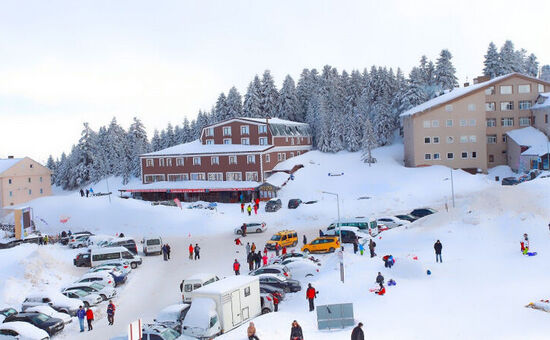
[10,157]
[481,79]
[466,84]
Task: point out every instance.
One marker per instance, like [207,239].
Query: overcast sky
[66,62]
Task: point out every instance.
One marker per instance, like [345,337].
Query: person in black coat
[380,279]
[305,238]
[296,331]
[251,258]
[438,246]
[357,333]
[258,259]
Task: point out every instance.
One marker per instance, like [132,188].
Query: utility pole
[341,253]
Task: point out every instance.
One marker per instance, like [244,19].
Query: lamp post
[341,254]
[452,187]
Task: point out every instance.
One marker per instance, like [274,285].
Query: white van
[368,225]
[152,245]
[193,282]
[110,254]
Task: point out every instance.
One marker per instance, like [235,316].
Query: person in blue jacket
[81,314]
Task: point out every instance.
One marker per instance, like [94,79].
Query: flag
[178,203]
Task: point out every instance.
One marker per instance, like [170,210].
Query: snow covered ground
[478,292]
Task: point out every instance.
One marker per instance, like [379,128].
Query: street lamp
[341,254]
[452,186]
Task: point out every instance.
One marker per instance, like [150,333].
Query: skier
[247,248]
[253,248]
[284,250]
[251,332]
[357,333]
[242,207]
[525,244]
[197,252]
[258,259]
[111,312]
[255,209]
[81,314]
[168,249]
[380,279]
[304,240]
[372,246]
[296,331]
[190,251]
[361,248]
[89,318]
[355,245]
[311,294]
[236,267]
[249,209]
[438,246]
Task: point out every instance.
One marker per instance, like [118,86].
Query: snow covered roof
[188,186]
[458,93]
[197,148]
[278,179]
[543,101]
[200,276]
[537,150]
[527,136]
[227,284]
[275,121]
[7,163]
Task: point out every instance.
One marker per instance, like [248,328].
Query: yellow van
[323,244]
[284,238]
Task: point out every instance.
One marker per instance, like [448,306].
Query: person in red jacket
[311,294]
[264,260]
[255,209]
[89,318]
[381,291]
[284,250]
[236,267]
[257,201]
[190,251]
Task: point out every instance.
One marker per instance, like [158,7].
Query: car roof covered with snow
[167,313]
[25,329]
[200,276]
[225,285]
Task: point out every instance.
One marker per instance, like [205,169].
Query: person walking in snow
[438,246]
[247,248]
[264,260]
[242,208]
[249,209]
[257,201]
[81,314]
[92,191]
[255,209]
[311,294]
[258,259]
[296,331]
[355,245]
[164,252]
[168,249]
[197,252]
[253,248]
[250,259]
[238,242]
[89,318]
[357,333]
[277,247]
[380,279]
[525,244]
[236,267]
[304,240]
[251,332]
[111,312]
[191,250]
[284,250]
[87,192]
[81,193]
[372,246]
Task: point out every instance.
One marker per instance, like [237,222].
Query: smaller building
[22,180]
[541,113]
[527,149]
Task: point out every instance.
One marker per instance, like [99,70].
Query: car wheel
[239,232]
[104,297]
[258,230]
[133,265]
[86,304]
[309,275]
[331,250]
[266,310]
[286,290]
[306,251]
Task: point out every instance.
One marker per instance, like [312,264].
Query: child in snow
[361,248]
[525,244]
[381,291]
[249,209]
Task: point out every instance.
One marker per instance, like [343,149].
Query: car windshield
[97,286]
[9,311]
[39,318]
[170,334]
[276,238]
[80,293]
[154,242]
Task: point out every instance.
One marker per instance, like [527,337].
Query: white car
[173,315]
[52,313]
[107,269]
[100,240]
[106,292]
[89,299]
[79,241]
[272,269]
[6,311]
[301,267]
[54,299]
[391,222]
[23,331]
[252,228]
[100,277]
[122,265]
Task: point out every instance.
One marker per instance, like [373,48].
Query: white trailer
[222,306]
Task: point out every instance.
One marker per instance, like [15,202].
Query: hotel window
[11,193]
[178,177]
[179,161]
[209,132]
[9,181]
[30,192]
[168,161]
[245,130]
[252,176]
[234,176]
[524,121]
[292,154]
[490,106]
[227,141]
[435,140]
[262,128]
[196,161]
[472,122]
[490,91]
[449,123]
[250,159]
[154,178]
[464,155]
[507,121]
[29,179]
[450,140]
[463,122]
[450,155]
[291,141]
[40,179]
[267,158]
[504,138]
[524,104]
[463,139]
[506,106]
[214,160]
[427,124]
[473,139]
[436,155]
[263,140]
[471,107]
[198,176]
[491,158]
[427,140]
[491,122]
[449,108]
[41,191]
[281,156]
[541,88]
[227,130]
[505,89]
[427,156]
[209,142]
[215,176]
[474,154]
[435,123]
[245,141]
[491,139]
[524,88]
[161,161]
[148,163]
[232,159]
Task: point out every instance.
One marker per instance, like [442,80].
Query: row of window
[523,105]
[203,176]
[245,130]
[29,191]
[509,89]
[449,123]
[492,139]
[215,160]
[450,155]
[10,181]
[244,141]
[450,139]
[508,121]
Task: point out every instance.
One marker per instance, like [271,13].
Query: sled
[534,253]
[332,174]
[543,305]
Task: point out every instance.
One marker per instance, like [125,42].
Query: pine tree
[305,90]
[201,122]
[288,105]
[170,136]
[186,131]
[531,66]
[368,143]
[156,142]
[545,73]
[138,145]
[221,110]
[384,125]
[491,62]
[50,164]
[507,58]
[83,155]
[252,102]
[445,71]
[234,103]
[61,176]
[268,96]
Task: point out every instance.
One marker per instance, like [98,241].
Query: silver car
[106,292]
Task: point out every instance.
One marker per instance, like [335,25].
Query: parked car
[106,292]
[82,260]
[369,225]
[155,332]
[122,265]
[111,255]
[301,267]
[100,277]
[79,241]
[324,244]
[406,217]
[273,205]
[294,203]
[65,240]
[6,311]
[50,325]
[349,234]
[421,212]
[294,254]
[23,330]
[173,315]
[267,303]
[391,222]
[152,245]
[280,282]
[510,181]
[56,300]
[284,238]
[252,228]
[125,242]
[272,269]
[52,313]
[87,298]
[193,282]
[119,276]
[277,292]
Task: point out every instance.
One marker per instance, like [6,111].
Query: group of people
[194,251]
[166,251]
[250,207]
[86,193]
[296,332]
[88,315]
